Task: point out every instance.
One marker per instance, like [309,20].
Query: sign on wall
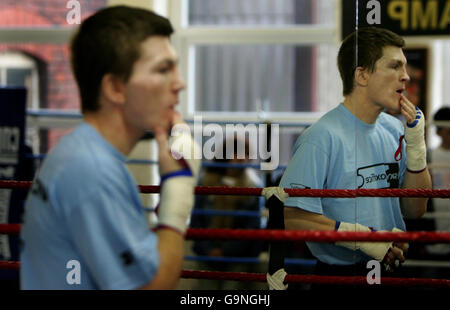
[404,17]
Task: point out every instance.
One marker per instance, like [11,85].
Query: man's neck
[114,130]
[362,108]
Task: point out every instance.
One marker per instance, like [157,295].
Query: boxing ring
[276,236]
[274,233]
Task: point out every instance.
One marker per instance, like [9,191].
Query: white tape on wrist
[177,200]
[416,150]
[276,280]
[177,191]
[376,250]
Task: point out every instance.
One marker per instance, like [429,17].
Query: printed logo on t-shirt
[379,176]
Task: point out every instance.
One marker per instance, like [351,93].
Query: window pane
[261,12]
[17,76]
[56,84]
[268,78]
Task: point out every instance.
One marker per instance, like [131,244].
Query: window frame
[187,37]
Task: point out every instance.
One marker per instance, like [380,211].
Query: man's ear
[113,89]
[361,76]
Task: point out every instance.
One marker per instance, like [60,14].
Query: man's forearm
[171,250]
[415,207]
[298,219]
[417,175]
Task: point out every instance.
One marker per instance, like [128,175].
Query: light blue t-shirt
[341,152]
[84,221]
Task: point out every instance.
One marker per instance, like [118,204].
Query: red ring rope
[315,236]
[9,265]
[256,191]
[294,235]
[290,278]
[10,229]
[279,235]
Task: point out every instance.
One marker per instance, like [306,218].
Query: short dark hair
[109,41]
[442,115]
[370,43]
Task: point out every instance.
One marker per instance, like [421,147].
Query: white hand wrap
[177,192]
[276,280]
[376,250]
[416,150]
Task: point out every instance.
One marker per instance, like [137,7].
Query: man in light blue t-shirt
[357,145]
[84,227]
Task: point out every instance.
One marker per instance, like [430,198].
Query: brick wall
[52,11]
[60,90]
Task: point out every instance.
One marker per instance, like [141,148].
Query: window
[257,55]
[17,69]
[258,60]
[240,78]
[260,12]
